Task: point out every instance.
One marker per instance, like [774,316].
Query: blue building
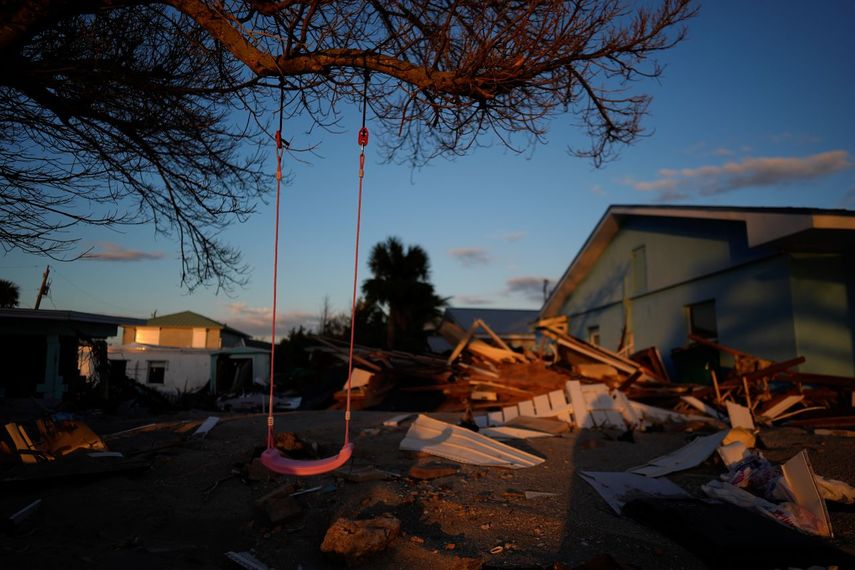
[774,282]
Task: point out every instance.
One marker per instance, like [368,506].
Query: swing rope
[362,140]
[280,150]
[271,458]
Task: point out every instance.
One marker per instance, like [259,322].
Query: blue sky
[754,108]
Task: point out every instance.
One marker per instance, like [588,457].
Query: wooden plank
[527,408]
[23,445]
[461,344]
[823,379]
[356,358]
[510,412]
[207,425]
[776,368]
[541,405]
[581,415]
[558,401]
[778,406]
[499,341]
[740,416]
[546,425]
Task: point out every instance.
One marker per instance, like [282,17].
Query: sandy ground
[196,502]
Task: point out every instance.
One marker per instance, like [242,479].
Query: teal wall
[824,321]
[768,303]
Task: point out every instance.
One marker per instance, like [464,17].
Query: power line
[100,300]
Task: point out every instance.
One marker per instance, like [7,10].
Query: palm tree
[8,294]
[400,283]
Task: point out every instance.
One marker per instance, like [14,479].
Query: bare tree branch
[124,111]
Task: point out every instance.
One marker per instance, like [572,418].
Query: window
[702,320]
[200,337]
[156,371]
[639,270]
[147,335]
[594,335]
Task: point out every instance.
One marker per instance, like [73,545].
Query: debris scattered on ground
[359,538]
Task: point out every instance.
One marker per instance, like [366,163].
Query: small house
[186,352]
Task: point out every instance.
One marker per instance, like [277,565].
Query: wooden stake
[747,393]
[715,385]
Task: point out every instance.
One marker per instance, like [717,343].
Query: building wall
[687,263]
[180,337]
[187,370]
[822,289]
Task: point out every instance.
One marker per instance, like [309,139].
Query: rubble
[360,538]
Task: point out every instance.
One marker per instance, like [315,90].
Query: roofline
[59,315]
[763,225]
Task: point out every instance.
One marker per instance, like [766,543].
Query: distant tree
[400,283]
[8,294]
[136,111]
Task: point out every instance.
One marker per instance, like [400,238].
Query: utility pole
[44,288]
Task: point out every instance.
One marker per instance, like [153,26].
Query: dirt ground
[196,501]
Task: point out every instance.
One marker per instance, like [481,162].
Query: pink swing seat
[278,463]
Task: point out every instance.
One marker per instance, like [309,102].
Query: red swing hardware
[363,136]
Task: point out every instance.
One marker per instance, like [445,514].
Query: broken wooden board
[207,425]
[781,405]
[551,426]
[740,416]
[617,488]
[460,444]
[551,405]
[702,407]
[688,456]
[581,415]
[602,409]
[801,482]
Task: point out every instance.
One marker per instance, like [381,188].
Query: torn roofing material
[459,444]
[686,457]
[617,488]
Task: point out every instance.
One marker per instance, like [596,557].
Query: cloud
[748,173]
[255,321]
[514,236]
[529,287]
[722,151]
[470,256]
[598,190]
[116,252]
[472,300]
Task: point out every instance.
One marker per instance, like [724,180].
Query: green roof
[184,319]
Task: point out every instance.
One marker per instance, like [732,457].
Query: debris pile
[486,378]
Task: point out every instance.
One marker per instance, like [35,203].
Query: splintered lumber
[467,341]
[559,324]
[341,352]
[598,354]
[651,359]
[780,404]
[774,369]
[23,445]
